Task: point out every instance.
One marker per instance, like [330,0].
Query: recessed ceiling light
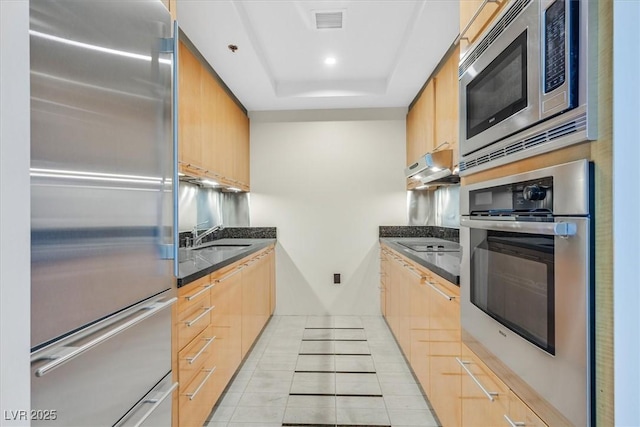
[330,60]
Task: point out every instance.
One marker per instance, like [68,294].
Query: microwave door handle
[563,229]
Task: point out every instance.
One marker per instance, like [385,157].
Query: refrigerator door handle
[174,119]
[66,353]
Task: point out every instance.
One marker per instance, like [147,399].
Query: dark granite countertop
[444,264]
[196,263]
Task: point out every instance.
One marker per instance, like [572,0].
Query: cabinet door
[444,348]
[189,105]
[384,278]
[263,276]
[484,396]
[240,147]
[468,8]
[420,333]
[272,281]
[221,324]
[447,104]
[521,415]
[250,305]
[393,278]
[421,124]
[404,309]
[212,123]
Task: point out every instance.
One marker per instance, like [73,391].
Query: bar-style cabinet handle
[209,341]
[193,395]
[490,394]
[204,289]
[514,423]
[435,288]
[204,313]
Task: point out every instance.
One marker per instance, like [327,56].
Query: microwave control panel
[554,42]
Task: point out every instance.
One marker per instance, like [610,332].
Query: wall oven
[529,68]
[526,280]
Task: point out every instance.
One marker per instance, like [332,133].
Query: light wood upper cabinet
[421,124]
[468,9]
[433,119]
[190,127]
[447,111]
[213,131]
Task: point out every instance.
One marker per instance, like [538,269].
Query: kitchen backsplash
[451,234]
[209,207]
[439,208]
[233,233]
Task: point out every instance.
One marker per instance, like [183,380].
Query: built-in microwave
[526,284]
[527,70]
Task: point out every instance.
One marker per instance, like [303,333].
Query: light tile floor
[324,371]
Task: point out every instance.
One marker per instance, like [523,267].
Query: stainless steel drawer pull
[70,352]
[490,394]
[238,270]
[414,272]
[435,288]
[514,423]
[197,294]
[193,395]
[204,347]
[204,313]
[156,402]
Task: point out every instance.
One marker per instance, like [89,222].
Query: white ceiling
[385,51]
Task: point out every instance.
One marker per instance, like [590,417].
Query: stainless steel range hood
[434,168]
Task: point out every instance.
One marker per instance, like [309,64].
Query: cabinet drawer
[193,321]
[192,295]
[484,395]
[521,415]
[191,359]
[198,397]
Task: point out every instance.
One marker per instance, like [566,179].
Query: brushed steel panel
[100,385]
[101,163]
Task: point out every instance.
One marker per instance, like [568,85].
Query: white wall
[14,211]
[327,185]
[626,229]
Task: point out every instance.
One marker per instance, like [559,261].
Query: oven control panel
[533,196]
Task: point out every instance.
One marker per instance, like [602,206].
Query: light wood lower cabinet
[218,317]
[423,312]
[521,415]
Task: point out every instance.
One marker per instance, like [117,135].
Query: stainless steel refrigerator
[103,170]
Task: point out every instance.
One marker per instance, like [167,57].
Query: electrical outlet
[336,278]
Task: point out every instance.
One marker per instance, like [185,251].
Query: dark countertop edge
[255,247]
[451,277]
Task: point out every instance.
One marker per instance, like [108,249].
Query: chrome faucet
[197,239]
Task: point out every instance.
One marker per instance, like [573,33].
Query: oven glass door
[512,280]
[499,90]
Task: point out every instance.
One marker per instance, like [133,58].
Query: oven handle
[563,229]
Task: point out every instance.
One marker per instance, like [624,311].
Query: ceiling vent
[328,20]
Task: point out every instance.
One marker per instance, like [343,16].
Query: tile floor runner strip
[334,354]
[334,425]
[330,327]
[332,339]
[335,395]
[334,372]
